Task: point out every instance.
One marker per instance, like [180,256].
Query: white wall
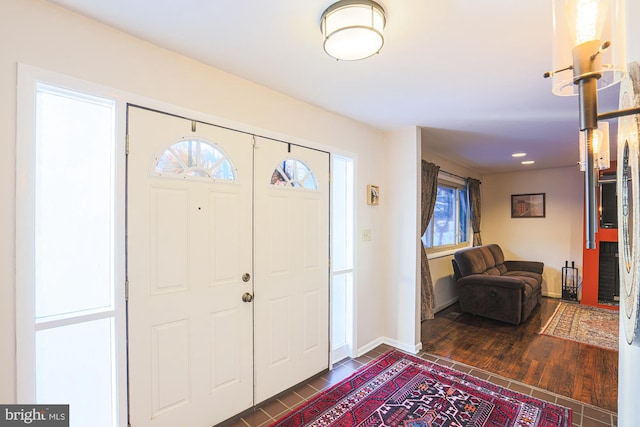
[42,35]
[371,257]
[402,204]
[553,239]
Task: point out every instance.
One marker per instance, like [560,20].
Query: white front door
[189,263]
[291,265]
[202,209]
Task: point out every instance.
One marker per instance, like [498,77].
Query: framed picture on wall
[528,205]
[373,195]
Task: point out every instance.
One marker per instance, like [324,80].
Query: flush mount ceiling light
[352,29]
[518,154]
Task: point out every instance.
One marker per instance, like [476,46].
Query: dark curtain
[474,206]
[429,193]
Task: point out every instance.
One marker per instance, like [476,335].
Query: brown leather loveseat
[491,287]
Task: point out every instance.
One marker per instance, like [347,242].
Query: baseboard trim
[446,305]
[413,349]
[552,295]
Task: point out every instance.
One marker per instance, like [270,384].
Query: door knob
[246,277]
[247,297]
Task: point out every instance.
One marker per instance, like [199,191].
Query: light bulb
[597,136]
[586,19]
[599,147]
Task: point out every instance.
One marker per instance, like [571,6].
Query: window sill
[445,252]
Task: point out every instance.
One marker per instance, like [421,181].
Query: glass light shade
[601,155]
[585,19]
[352,29]
[581,27]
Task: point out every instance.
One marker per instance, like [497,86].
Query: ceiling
[468,72]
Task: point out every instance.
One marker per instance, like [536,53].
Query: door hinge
[126,292]
[126,145]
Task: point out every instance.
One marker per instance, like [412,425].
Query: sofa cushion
[493,271]
[487,259]
[537,278]
[531,286]
[496,254]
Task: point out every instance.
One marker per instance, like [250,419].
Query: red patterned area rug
[582,323]
[399,389]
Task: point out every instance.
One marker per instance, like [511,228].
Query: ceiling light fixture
[352,29]
[590,33]
[527,162]
[518,154]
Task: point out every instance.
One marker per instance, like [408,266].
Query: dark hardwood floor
[579,371]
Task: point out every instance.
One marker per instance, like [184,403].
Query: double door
[227,261]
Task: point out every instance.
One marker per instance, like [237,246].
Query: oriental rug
[399,389]
[581,323]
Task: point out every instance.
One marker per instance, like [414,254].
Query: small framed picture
[528,205]
[373,194]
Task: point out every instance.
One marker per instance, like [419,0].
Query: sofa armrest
[533,266]
[491,280]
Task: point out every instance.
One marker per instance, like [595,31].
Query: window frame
[343,256]
[29,78]
[284,181]
[186,172]
[444,250]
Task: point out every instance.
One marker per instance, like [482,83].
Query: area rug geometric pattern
[399,389]
[589,325]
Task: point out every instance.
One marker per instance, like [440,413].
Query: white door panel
[189,243]
[292,282]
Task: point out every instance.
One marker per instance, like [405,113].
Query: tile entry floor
[583,415]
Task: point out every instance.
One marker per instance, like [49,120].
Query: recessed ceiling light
[527,162]
[518,154]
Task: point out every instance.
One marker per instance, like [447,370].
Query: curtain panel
[475,205]
[429,193]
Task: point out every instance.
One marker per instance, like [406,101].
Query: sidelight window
[69,275]
[342,256]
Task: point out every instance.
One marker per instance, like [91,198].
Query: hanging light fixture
[590,34]
[601,153]
[352,29]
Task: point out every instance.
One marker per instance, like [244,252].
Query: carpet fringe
[546,325]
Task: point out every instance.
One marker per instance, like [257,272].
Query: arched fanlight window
[195,158]
[293,173]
